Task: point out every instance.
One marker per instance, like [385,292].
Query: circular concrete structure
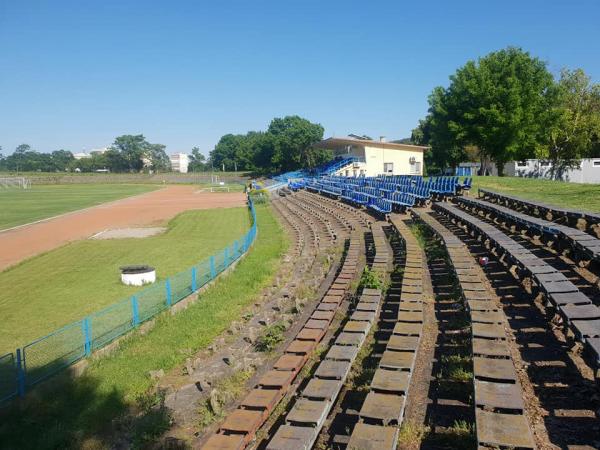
[137,275]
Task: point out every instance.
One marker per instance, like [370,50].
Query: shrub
[272,336]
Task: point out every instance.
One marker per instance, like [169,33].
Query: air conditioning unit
[412,160]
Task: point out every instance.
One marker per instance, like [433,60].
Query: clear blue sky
[75,74]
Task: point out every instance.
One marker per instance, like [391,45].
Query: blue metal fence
[44,357]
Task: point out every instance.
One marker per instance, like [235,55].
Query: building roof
[336,142]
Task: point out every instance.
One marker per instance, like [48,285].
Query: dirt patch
[142,210]
[125,233]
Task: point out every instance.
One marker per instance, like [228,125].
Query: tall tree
[295,138]
[499,103]
[159,160]
[224,153]
[197,161]
[132,149]
[439,130]
[23,148]
[575,122]
[60,160]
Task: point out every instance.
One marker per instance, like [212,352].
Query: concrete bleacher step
[579,315]
[502,370]
[503,430]
[387,409]
[373,437]
[498,396]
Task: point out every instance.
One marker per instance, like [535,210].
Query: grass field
[567,195]
[20,206]
[61,286]
[75,413]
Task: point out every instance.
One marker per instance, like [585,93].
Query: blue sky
[76,74]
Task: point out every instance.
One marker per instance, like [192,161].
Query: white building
[587,172]
[81,155]
[179,162]
[372,158]
[99,151]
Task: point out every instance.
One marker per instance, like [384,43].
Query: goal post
[15,183]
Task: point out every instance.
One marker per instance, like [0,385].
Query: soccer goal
[15,183]
[219,188]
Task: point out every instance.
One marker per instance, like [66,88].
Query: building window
[545,164]
[521,163]
[596,163]
[388,167]
[415,168]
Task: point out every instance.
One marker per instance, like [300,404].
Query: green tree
[499,103]
[197,161]
[60,160]
[224,153]
[23,148]
[159,160]
[113,160]
[575,122]
[295,138]
[439,130]
[132,149]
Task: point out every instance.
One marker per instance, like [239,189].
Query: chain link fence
[44,357]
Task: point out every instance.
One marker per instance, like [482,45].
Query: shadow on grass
[68,412]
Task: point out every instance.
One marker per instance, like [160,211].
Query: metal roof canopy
[335,143]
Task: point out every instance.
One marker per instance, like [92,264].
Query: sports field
[567,195]
[74,413]
[20,206]
[63,285]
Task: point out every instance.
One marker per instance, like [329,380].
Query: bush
[272,336]
[371,279]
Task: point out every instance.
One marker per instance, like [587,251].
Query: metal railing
[42,358]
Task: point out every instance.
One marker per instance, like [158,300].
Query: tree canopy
[288,144]
[129,153]
[508,106]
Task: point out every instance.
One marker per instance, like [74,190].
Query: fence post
[213,270]
[135,313]
[168,289]
[20,373]
[194,288]
[87,336]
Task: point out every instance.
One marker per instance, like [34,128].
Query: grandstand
[551,254]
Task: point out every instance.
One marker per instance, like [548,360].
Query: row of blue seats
[399,198]
[440,185]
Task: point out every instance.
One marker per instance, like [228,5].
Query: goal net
[15,182]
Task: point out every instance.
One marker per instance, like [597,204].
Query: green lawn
[75,413]
[20,206]
[61,286]
[568,195]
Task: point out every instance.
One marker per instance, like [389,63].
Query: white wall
[376,157]
[588,172]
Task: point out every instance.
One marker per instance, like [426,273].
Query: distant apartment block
[179,162]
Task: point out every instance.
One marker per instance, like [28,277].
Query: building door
[388,168]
